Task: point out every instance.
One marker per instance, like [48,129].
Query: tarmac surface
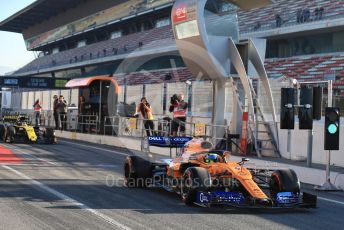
[76,185]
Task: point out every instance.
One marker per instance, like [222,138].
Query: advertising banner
[170,142]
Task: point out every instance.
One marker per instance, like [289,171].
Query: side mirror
[243,160]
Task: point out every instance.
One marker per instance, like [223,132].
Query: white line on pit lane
[69,199]
[89,146]
[30,155]
[330,200]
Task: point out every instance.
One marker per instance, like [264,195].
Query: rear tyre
[284,180]
[136,172]
[2,131]
[195,179]
[49,136]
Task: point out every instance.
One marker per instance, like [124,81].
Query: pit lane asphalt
[71,186]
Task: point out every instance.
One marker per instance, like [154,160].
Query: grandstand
[304,41]
[290,11]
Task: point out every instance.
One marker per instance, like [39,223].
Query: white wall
[154,94]
[6,99]
[134,94]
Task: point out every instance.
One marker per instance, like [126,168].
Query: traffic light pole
[310,148]
[289,143]
[328,157]
[328,186]
[310,132]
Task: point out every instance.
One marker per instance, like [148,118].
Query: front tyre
[284,180]
[195,179]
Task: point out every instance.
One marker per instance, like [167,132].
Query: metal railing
[135,127]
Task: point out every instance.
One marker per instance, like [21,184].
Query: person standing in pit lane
[179,109]
[62,110]
[38,109]
[145,110]
[55,112]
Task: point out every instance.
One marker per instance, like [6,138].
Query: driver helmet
[211,158]
[20,120]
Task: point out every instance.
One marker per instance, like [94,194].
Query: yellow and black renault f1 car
[16,129]
[208,178]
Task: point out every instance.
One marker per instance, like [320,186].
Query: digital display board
[10,82]
[36,82]
[33,82]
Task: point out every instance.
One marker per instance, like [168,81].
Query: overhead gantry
[207,36]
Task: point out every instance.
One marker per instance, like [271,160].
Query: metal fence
[132,127]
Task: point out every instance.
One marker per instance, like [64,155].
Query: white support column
[219,99]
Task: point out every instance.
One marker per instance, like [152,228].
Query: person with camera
[144,109]
[62,110]
[179,109]
[38,109]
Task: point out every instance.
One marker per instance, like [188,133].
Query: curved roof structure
[35,13]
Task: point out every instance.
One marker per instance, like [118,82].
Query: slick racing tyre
[284,180]
[2,131]
[136,172]
[9,134]
[49,136]
[195,179]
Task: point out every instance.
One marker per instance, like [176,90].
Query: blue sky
[13,53]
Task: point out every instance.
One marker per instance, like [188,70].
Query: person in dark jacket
[82,113]
[62,110]
[55,113]
[178,108]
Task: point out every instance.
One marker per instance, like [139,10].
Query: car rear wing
[15,118]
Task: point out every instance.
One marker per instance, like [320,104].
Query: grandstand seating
[309,67]
[122,45]
[302,68]
[154,77]
[266,16]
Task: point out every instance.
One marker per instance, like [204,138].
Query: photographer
[179,108]
[145,110]
[37,108]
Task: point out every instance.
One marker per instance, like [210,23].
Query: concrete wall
[300,140]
